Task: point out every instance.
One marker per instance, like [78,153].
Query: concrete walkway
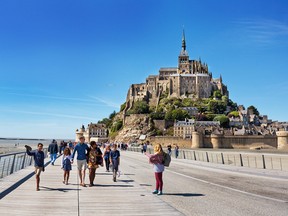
[124,197]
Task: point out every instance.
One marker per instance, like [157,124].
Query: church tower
[183,59]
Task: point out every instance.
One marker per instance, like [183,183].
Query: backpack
[166,159]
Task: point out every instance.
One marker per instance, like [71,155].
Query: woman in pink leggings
[157,160]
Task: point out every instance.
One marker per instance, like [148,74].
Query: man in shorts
[82,149]
[38,161]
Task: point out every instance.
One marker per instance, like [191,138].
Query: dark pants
[115,165]
[159,181]
[107,163]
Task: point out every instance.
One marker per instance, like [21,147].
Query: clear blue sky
[64,63]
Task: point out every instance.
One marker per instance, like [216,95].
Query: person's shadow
[58,189]
[184,194]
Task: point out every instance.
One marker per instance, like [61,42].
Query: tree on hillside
[217,107]
[112,115]
[122,107]
[217,94]
[254,110]
[224,120]
[177,114]
[139,107]
[157,115]
[201,117]
[187,102]
[117,126]
[105,121]
[234,114]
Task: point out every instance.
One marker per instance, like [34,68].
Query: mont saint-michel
[185,105]
[191,79]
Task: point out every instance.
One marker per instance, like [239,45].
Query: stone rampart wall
[236,142]
[242,142]
[166,140]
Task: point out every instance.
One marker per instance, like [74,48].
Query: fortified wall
[219,141]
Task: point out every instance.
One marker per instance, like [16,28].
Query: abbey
[191,79]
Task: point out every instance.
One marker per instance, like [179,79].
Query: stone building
[185,128]
[93,132]
[191,78]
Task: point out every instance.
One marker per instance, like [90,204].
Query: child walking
[115,160]
[106,156]
[66,164]
[157,160]
[94,160]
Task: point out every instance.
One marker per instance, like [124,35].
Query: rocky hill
[135,125]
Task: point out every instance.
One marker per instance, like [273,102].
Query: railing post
[207,157]
[263,159]
[13,163]
[3,168]
[23,163]
[184,157]
[194,155]
[222,158]
[241,160]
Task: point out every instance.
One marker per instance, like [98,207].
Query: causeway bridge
[191,187]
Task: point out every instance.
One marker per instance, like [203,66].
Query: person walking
[66,164]
[53,150]
[157,160]
[94,160]
[176,151]
[115,160]
[38,156]
[82,150]
[70,146]
[106,156]
[169,149]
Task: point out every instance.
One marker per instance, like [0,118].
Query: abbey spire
[183,41]
[183,50]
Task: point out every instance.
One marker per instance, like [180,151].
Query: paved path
[124,197]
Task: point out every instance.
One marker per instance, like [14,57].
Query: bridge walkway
[125,197]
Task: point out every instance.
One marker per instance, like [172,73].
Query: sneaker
[155,192]
[118,174]
[159,193]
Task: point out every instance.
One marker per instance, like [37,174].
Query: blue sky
[64,63]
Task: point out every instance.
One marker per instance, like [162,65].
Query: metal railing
[13,162]
[252,160]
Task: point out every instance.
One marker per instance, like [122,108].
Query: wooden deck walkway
[124,197]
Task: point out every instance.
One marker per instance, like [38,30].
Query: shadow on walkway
[184,194]
[58,189]
[113,185]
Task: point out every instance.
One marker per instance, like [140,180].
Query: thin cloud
[108,103]
[263,31]
[53,97]
[86,101]
[49,114]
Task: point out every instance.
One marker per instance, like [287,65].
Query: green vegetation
[234,114]
[140,107]
[224,120]
[122,107]
[117,126]
[254,110]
